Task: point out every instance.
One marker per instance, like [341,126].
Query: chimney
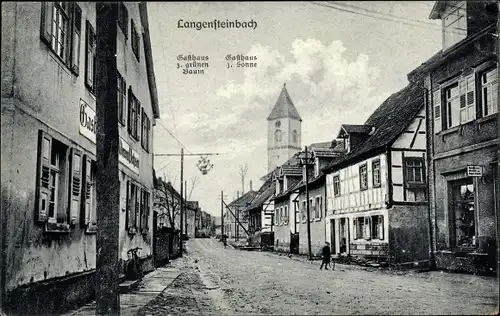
[237,194]
[250,185]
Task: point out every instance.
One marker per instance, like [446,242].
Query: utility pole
[181,204]
[107,179]
[498,148]
[186,210]
[222,213]
[306,163]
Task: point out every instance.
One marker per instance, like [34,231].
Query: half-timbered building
[376,192]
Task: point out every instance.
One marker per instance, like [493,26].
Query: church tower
[283,131]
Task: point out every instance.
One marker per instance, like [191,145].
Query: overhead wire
[389,19]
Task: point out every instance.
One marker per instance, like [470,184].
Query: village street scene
[250,158]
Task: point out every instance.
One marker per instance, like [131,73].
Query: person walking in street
[224,240]
[326,256]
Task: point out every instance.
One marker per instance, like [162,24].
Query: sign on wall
[128,156]
[87,121]
[474,171]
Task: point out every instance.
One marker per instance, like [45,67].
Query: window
[304,211]
[414,170]
[51,179]
[363,177]
[467,103]
[144,210]
[132,207]
[336,186]
[61,30]
[455,25]
[122,98]
[89,201]
[452,103]
[123,18]
[318,207]
[312,209]
[277,124]
[463,232]
[377,227]
[146,128]
[489,95]
[376,173]
[358,225]
[90,57]
[134,107]
[436,103]
[295,137]
[277,135]
[75,185]
[285,215]
[135,40]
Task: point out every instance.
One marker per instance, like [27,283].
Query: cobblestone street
[230,281]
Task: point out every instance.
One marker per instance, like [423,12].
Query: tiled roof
[244,200]
[312,180]
[284,107]
[321,145]
[265,192]
[290,170]
[328,152]
[390,119]
[292,184]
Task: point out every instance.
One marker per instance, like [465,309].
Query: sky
[339,64]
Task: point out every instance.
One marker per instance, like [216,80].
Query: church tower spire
[284,131]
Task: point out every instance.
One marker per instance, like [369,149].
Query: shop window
[377,227]
[463,224]
[51,188]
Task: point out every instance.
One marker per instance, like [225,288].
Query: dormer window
[454,23]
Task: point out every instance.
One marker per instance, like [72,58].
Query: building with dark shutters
[48,156]
[461,82]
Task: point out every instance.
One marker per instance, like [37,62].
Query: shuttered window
[51,192]
[75,187]
[436,103]
[90,57]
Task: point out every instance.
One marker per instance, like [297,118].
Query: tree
[243,172]
[194,180]
[167,201]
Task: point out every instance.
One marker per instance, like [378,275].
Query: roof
[149,60]
[312,179]
[244,199]
[292,184]
[167,186]
[284,107]
[389,120]
[321,145]
[352,129]
[291,170]
[263,194]
[437,10]
[328,152]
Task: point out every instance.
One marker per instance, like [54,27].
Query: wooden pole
[107,177]
[181,204]
[306,160]
[222,213]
